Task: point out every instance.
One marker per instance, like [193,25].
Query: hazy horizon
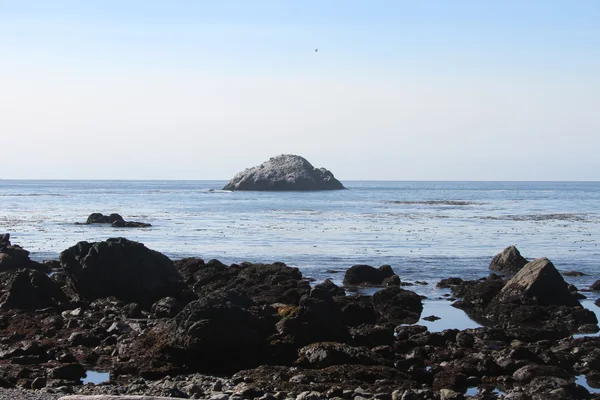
[397,91]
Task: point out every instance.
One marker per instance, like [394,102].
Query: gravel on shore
[22,394]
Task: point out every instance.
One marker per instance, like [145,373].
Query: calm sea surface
[424,230]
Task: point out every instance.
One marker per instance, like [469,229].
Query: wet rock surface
[282,173]
[247,331]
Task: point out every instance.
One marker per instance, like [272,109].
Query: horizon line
[341,180]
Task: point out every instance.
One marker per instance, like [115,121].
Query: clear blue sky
[399,90]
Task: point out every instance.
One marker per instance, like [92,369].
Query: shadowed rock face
[367,275]
[29,289]
[14,257]
[284,173]
[122,268]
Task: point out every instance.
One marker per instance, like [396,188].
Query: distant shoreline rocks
[286,172]
[115,220]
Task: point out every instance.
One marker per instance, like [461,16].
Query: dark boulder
[29,289]
[357,310]
[397,306]
[595,286]
[121,268]
[315,320]
[70,372]
[115,220]
[99,218]
[4,241]
[284,172]
[367,275]
[509,261]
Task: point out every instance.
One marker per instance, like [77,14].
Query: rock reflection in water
[450,317]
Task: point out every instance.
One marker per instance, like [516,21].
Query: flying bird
[316,50]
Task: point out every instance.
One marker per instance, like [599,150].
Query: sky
[398,90]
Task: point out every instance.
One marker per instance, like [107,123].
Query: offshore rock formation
[115,220]
[283,173]
[509,261]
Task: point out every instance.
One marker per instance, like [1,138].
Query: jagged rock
[479,293]
[508,261]
[4,241]
[284,172]
[166,307]
[121,268]
[595,286]
[536,304]
[537,283]
[327,289]
[325,354]
[367,275]
[263,283]
[29,289]
[14,256]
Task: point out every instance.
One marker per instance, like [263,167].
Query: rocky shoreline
[201,329]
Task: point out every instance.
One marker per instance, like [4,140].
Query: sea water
[425,230]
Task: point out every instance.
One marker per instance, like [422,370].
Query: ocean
[425,230]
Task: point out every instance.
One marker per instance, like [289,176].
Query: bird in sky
[316,50]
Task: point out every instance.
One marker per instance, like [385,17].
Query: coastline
[260,321]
